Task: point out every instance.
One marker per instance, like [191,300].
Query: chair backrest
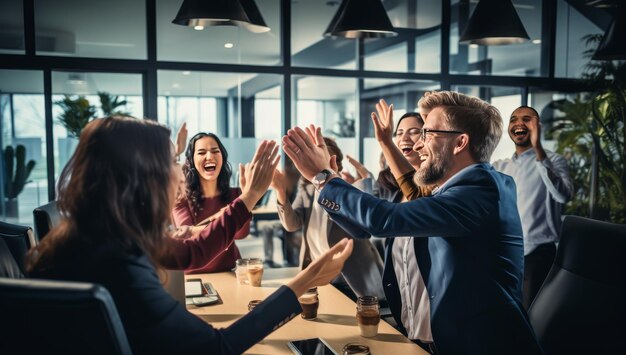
[57,317]
[8,265]
[45,217]
[19,239]
[581,307]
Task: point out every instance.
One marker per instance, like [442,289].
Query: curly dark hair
[192,179]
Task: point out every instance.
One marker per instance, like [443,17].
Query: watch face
[321,177]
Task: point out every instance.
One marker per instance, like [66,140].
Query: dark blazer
[154,322]
[471,263]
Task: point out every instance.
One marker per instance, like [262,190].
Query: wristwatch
[321,178]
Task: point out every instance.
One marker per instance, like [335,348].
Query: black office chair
[45,217]
[19,239]
[55,317]
[8,265]
[581,306]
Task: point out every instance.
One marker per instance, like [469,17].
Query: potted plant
[76,114]
[16,175]
[110,103]
[593,136]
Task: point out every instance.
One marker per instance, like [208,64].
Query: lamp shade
[243,13]
[494,22]
[613,44]
[360,19]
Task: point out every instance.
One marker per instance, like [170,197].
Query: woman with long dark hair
[115,197]
[207,194]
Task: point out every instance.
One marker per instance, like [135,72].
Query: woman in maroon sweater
[207,195]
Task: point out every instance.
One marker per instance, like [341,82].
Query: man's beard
[436,168]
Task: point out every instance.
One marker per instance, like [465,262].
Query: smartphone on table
[313,346]
[199,294]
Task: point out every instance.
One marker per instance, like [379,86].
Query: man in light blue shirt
[543,187]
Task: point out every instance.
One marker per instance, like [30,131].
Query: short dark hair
[530,108]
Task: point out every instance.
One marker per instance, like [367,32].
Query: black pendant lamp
[201,13]
[494,22]
[613,44]
[360,19]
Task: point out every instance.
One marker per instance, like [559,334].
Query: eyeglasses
[425,132]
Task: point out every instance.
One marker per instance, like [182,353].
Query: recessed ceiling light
[536,41]
[198,28]
[228,45]
[473,45]
[186,72]
[176,86]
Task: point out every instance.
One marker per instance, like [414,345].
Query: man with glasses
[470,250]
[543,187]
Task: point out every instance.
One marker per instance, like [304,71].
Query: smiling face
[436,153]
[407,134]
[207,158]
[519,126]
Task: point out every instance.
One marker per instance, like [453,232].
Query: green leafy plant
[16,170]
[76,114]
[592,136]
[110,103]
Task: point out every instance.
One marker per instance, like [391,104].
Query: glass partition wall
[247,87]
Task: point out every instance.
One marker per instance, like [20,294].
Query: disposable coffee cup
[310,303]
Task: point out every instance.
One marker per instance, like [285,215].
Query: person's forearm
[396,161]
[299,284]
[281,196]
[250,198]
[540,153]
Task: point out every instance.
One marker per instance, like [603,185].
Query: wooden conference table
[336,321]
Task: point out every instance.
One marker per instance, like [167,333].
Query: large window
[247,87]
[97,29]
[218,44]
[515,60]
[12,29]
[22,123]
[73,87]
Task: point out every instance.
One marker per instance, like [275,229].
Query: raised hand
[307,150]
[279,183]
[242,176]
[361,170]
[259,172]
[181,139]
[534,126]
[323,269]
[383,122]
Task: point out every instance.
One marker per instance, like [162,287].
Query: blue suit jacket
[472,262]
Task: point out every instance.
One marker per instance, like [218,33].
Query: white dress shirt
[543,187]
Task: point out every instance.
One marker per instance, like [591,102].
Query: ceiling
[117,29]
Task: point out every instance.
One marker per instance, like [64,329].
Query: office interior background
[247,86]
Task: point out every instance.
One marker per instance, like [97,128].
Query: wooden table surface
[336,321]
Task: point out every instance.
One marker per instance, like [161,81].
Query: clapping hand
[307,150]
[323,269]
[361,171]
[383,122]
[257,174]
[181,139]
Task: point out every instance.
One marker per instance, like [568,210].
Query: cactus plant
[17,170]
